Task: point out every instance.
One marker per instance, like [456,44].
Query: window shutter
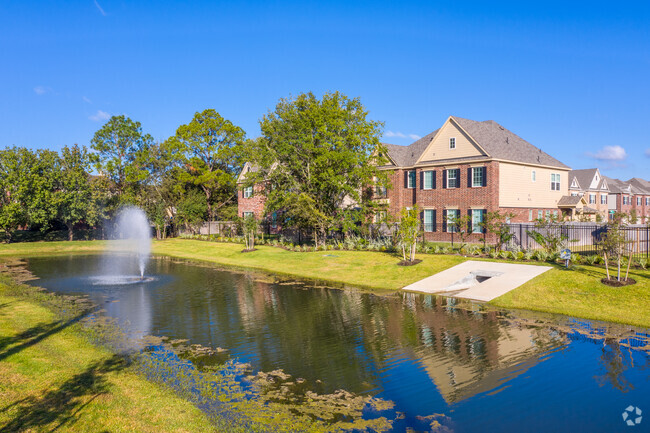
[406,179]
[421,180]
[484,176]
[434,220]
[469,222]
[433,176]
[484,229]
[444,220]
[458,177]
[470,182]
[444,178]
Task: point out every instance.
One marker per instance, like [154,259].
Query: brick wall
[254,204]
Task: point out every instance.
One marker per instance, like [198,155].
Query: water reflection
[428,354]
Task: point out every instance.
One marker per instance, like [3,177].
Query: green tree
[13,212]
[549,235]
[614,243]
[39,180]
[315,158]
[209,150]
[407,232]
[192,209]
[117,144]
[249,227]
[496,222]
[73,195]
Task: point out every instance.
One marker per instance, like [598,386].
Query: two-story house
[469,168]
[591,185]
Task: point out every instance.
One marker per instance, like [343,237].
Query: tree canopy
[316,158]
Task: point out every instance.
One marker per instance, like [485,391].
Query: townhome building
[641,201]
[470,168]
[591,185]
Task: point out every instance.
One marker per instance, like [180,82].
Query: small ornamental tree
[249,228]
[408,232]
[462,228]
[614,244]
[548,234]
[497,223]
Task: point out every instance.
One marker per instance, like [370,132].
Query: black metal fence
[582,238]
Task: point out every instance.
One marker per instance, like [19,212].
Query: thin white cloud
[99,116]
[610,153]
[86,100]
[100,8]
[41,90]
[397,134]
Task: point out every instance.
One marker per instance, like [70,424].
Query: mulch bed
[409,263]
[613,282]
[248,251]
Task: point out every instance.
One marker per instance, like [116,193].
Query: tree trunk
[606,265]
[629,262]
[70,231]
[158,233]
[618,274]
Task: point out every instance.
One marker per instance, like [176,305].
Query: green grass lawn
[577,292]
[53,379]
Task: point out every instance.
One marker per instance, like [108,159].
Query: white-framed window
[248,192]
[530,215]
[592,198]
[548,214]
[647,201]
[478,174]
[452,143]
[247,214]
[452,178]
[638,201]
[574,194]
[626,199]
[428,180]
[540,214]
[274,220]
[603,199]
[533,175]
[477,220]
[380,216]
[452,216]
[410,180]
[428,220]
[555,181]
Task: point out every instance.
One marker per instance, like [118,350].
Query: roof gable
[440,145]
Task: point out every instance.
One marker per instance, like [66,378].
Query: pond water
[486,370]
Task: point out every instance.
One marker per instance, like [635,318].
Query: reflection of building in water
[464,352]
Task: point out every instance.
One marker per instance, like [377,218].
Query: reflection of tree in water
[615,364]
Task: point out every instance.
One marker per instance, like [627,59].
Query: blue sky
[570,77]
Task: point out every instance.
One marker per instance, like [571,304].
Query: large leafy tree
[13,212]
[209,153]
[317,157]
[39,179]
[117,145]
[73,196]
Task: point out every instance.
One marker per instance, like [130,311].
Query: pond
[486,370]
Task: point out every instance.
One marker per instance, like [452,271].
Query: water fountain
[131,235]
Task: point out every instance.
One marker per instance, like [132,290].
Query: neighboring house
[621,196]
[251,200]
[641,201]
[470,168]
[592,186]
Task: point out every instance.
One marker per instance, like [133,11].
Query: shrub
[643,263]
[519,256]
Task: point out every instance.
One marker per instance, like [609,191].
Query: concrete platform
[479,281]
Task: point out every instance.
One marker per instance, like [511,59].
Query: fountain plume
[133,227]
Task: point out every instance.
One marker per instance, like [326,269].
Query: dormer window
[452,143]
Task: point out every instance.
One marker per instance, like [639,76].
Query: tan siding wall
[439,147]
[516,188]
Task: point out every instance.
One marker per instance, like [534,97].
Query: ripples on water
[486,370]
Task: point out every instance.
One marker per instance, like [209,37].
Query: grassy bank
[577,292]
[53,379]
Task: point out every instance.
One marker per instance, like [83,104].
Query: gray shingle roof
[497,141]
[501,143]
[569,200]
[641,185]
[616,186]
[584,177]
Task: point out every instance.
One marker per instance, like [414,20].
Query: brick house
[626,196]
[251,200]
[591,185]
[469,168]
